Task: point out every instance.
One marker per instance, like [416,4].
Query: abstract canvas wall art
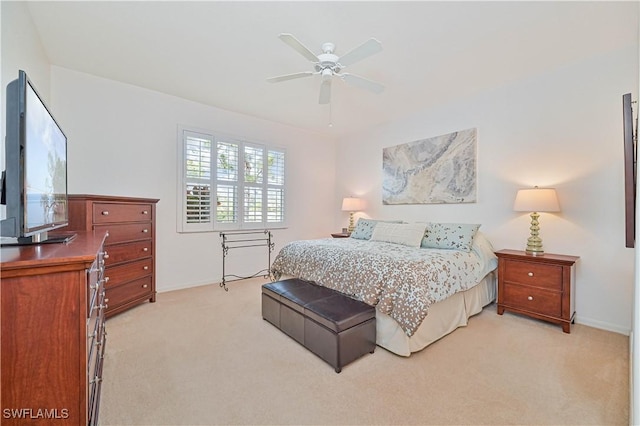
[437,170]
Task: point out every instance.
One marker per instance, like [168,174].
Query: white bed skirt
[443,318]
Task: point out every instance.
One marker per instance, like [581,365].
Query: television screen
[45,167]
[34,184]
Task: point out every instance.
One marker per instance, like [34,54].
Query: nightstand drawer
[128,272]
[124,293]
[532,299]
[130,251]
[129,232]
[114,213]
[533,274]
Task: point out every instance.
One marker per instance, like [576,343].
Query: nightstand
[540,286]
[341,235]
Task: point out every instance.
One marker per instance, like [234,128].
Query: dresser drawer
[129,251]
[125,233]
[531,299]
[124,293]
[533,274]
[117,213]
[128,272]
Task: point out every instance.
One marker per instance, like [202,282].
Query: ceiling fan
[329,65]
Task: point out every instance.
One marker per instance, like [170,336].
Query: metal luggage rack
[244,239]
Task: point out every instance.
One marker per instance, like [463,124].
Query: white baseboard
[184,286]
[602,325]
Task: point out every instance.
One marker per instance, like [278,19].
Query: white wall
[21,50]
[561,129]
[123,141]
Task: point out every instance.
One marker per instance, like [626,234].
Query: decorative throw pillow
[364,228]
[408,234]
[452,236]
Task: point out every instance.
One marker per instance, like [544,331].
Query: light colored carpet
[206,356]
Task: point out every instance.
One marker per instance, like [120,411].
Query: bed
[425,280]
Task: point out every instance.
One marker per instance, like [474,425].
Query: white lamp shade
[536,200]
[352,204]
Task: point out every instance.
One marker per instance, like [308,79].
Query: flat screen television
[34,183]
[630,169]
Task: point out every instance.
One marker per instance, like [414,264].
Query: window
[248,181]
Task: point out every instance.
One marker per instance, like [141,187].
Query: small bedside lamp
[536,200]
[351,205]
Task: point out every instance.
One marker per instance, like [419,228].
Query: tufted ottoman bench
[330,324]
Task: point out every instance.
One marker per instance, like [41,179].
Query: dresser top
[111,198]
[542,258]
[72,255]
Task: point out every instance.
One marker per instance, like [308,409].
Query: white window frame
[213,225]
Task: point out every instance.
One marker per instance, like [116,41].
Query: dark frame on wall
[630,170]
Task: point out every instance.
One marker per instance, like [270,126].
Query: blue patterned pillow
[364,228]
[451,236]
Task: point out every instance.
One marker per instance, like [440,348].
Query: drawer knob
[145,249]
[106,279]
[105,213]
[145,285]
[530,298]
[146,268]
[145,230]
[106,255]
[145,212]
[106,300]
[530,274]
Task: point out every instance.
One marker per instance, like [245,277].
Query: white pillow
[408,234]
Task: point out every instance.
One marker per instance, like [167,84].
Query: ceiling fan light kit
[328,65]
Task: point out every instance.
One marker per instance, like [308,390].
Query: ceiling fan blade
[325,92]
[362,82]
[289,76]
[298,47]
[366,49]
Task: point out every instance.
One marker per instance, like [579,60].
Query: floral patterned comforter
[399,281]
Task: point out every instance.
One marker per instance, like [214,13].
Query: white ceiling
[221,53]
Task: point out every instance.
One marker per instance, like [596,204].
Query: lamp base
[534,242]
[351,224]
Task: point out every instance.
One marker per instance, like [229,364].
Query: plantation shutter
[229,184]
[197,179]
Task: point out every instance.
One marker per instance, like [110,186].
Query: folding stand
[244,239]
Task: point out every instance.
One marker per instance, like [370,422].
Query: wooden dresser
[53,337]
[130,249]
[542,287]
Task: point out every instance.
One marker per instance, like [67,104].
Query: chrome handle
[105,213]
[530,298]
[530,274]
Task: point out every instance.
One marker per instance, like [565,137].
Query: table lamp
[351,205]
[536,200]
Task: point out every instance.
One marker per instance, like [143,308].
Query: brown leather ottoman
[330,324]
